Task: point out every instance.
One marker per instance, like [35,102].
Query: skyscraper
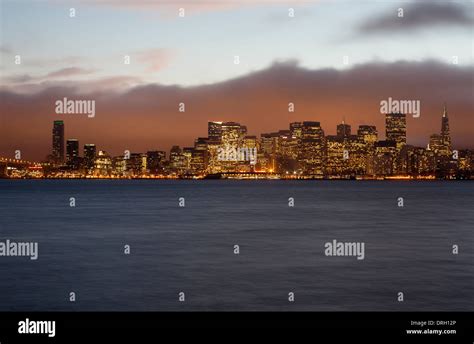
[214,131]
[72,153]
[296,129]
[343,130]
[155,161]
[58,141]
[233,133]
[313,148]
[445,136]
[90,152]
[199,157]
[396,129]
[367,134]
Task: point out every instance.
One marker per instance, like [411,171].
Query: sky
[191,59]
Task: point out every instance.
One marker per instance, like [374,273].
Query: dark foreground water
[191,249]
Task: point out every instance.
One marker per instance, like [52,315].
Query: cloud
[420,15]
[21,80]
[167,7]
[155,59]
[5,49]
[146,116]
[69,71]
[17,79]
[110,84]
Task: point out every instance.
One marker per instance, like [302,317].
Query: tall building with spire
[445,135]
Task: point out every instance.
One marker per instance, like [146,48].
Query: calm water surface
[190,249]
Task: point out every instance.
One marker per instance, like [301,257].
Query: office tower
[445,135]
[213,163]
[90,152]
[119,165]
[186,159]
[269,143]
[199,157]
[343,130]
[72,153]
[396,129]
[336,164]
[419,161]
[367,134]
[313,149]
[214,131]
[296,129]
[136,164]
[287,146]
[436,143]
[103,164]
[144,162]
[250,142]
[465,163]
[232,133]
[174,153]
[385,156]
[155,160]
[58,141]
[179,159]
[267,153]
[440,145]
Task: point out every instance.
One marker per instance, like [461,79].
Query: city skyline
[390,134]
[303,149]
[116,148]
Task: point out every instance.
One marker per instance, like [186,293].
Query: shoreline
[255,179]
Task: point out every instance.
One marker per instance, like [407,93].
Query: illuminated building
[119,165]
[233,133]
[436,143]
[296,129]
[179,160]
[187,156]
[72,153]
[136,164]
[199,157]
[103,164]
[58,142]
[417,161]
[155,161]
[288,147]
[396,129]
[268,151]
[445,135]
[384,157]
[336,164]
[313,149]
[367,134]
[214,131]
[90,152]
[343,130]
[465,163]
